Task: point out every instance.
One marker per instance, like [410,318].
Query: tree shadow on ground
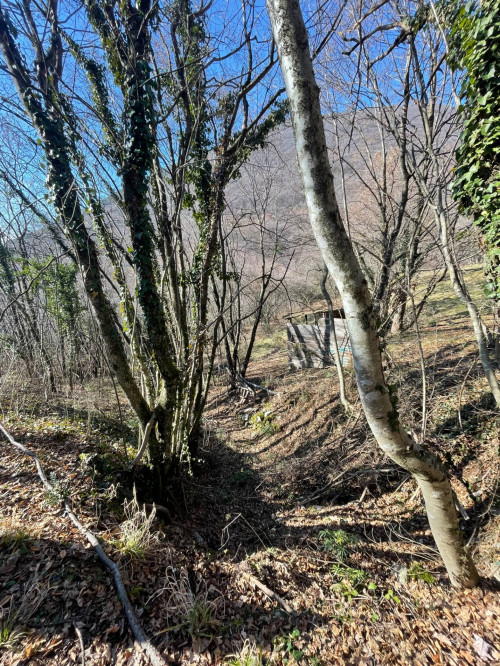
[242,521]
[471,420]
[236,508]
[230,505]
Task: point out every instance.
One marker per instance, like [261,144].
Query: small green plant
[357,577]
[137,538]
[417,572]
[269,428]
[351,580]
[135,592]
[58,492]
[338,543]
[345,589]
[287,644]
[249,655]
[390,595]
[264,423]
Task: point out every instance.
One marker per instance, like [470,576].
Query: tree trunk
[378,401]
[61,183]
[462,293]
[399,312]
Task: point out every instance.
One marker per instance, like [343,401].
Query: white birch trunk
[291,39]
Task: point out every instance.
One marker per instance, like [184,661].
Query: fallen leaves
[276,537]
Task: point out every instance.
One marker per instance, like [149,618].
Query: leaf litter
[309,508]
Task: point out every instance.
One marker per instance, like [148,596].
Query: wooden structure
[310,341]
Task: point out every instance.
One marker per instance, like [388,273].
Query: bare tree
[261,235]
[137,180]
[378,402]
[428,140]
[386,216]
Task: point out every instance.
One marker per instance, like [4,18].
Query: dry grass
[249,655]
[193,611]
[14,534]
[21,608]
[137,538]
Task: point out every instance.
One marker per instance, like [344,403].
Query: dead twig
[363,494]
[417,490]
[408,476]
[82,644]
[268,592]
[154,656]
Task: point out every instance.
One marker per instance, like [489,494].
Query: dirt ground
[291,540]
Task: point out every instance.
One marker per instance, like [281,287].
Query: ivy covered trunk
[378,399]
[153,129]
[474,35]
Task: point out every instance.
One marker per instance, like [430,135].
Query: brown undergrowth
[288,491]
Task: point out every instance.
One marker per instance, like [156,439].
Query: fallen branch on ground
[247,383]
[139,635]
[268,592]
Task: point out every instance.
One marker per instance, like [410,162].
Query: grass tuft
[11,632]
[194,611]
[249,655]
[21,609]
[137,539]
[13,535]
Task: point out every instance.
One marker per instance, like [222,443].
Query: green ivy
[474,48]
